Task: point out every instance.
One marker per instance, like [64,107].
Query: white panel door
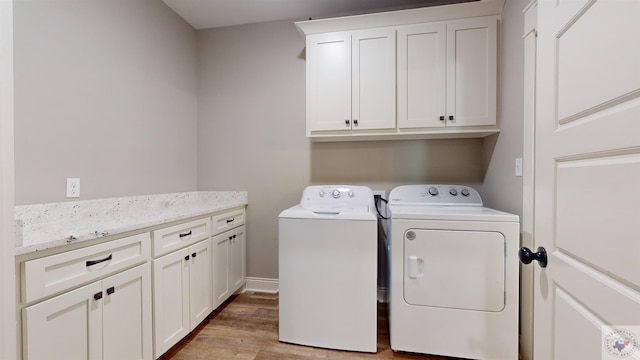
[126,315]
[200,282]
[373,101]
[67,326]
[171,299]
[587,179]
[422,75]
[329,82]
[472,71]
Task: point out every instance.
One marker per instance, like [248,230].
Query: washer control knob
[351,194]
[464,192]
[321,193]
[433,191]
[335,194]
[453,192]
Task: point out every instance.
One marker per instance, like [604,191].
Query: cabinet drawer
[227,220]
[178,236]
[56,273]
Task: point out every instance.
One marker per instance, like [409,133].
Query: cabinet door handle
[185,234]
[451,117]
[194,255]
[93,262]
[97,296]
[347,122]
[186,257]
[231,220]
[355,122]
[234,236]
[441,118]
[111,290]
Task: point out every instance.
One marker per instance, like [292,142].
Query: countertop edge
[56,243]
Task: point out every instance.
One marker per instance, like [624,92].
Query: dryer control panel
[435,194]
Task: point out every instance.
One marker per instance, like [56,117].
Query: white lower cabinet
[182,293]
[229,263]
[107,319]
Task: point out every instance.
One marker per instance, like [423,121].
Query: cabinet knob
[451,117]
[111,290]
[97,296]
[186,257]
[194,255]
[355,122]
[347,122]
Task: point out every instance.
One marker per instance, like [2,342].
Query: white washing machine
[328,269]
[454,274]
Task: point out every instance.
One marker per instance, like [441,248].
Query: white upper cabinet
[351,81]
[472,61]
[393,76]
[447,73]
[373,74]
[422,80]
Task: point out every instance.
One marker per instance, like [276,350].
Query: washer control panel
[437,194]
[336,196]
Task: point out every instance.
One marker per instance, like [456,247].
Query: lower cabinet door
[221,288]
[126,315]
[229,263]
[201,283]
[237,255]
[171,299]
[64,327]
[109,319]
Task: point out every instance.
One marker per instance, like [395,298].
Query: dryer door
[454,269]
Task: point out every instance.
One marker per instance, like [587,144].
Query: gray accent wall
[105,91]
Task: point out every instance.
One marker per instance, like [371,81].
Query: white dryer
[454,274]
[328,269]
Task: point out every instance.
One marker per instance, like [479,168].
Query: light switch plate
[73,187]
[518,167]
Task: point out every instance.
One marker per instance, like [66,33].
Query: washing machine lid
[358,213]
[457,213]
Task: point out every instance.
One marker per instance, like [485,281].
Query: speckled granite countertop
[46,226]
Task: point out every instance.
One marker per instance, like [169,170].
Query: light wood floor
[246,327]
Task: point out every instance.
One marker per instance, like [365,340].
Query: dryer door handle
[415,267]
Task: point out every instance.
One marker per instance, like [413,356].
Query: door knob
[527,256]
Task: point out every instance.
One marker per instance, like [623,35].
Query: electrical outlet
[382,193]
[73,187]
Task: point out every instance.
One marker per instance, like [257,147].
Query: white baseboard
[261,285]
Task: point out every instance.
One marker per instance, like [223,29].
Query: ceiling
[205,14]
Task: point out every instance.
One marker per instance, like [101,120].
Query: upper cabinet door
[422,75]
[374,79]
[329,82]
[472,71]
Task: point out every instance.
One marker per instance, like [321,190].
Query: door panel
[588,36]
[587,176]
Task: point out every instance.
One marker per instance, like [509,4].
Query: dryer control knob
[453,192]
[335,194]
[464,192]
[433,191]
[351,194]
[321,193]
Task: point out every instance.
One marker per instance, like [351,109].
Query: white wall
[252,136]
[502,189]
[105,90]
